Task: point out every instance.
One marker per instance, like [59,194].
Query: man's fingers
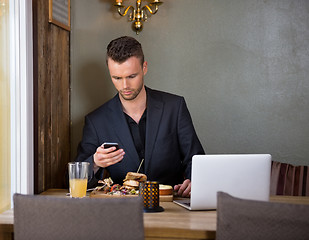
[114,160]
[184,189]
[108,157]
[187,191]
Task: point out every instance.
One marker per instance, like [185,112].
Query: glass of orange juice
[78,176]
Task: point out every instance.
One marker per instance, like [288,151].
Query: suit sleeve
[86,148]
[188,139]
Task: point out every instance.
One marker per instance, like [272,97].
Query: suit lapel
[154,115]
[120,126]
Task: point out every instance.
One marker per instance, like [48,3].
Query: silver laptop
[241,175]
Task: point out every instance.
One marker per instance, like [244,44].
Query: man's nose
[125,83]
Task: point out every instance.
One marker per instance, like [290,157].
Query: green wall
[242,66]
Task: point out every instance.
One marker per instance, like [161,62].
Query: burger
[133,179]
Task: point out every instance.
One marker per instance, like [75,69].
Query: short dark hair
[122,48]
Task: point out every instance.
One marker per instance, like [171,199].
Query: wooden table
[174,223]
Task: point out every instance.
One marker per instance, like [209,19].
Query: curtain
[287,179]
[5,162]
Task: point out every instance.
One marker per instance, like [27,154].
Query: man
[154,129]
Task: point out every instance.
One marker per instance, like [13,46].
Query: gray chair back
[46,217]
[248,219]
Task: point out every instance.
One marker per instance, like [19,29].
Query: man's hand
[184,189]
[107,157]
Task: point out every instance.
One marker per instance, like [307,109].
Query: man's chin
[128,97]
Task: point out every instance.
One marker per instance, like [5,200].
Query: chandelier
[139,14]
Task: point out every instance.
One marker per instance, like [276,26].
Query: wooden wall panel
[52,100]
[60,86]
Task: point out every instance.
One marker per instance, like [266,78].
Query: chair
[248,219]
[48,217]
[287,179]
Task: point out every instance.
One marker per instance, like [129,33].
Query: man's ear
[145,67]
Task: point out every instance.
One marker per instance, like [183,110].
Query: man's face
[128,77]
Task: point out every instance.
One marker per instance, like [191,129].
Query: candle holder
[149,191]
[139,14]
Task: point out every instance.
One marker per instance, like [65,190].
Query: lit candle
[118,1]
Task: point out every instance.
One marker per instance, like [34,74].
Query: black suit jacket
[170,143]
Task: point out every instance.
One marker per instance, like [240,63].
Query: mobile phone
[110,144]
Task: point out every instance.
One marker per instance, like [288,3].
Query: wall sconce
[139,14]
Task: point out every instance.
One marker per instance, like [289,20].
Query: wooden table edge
[153,232]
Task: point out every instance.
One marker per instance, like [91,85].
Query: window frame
[21,91]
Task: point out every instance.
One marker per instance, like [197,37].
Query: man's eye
[132,76]
[117,78]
